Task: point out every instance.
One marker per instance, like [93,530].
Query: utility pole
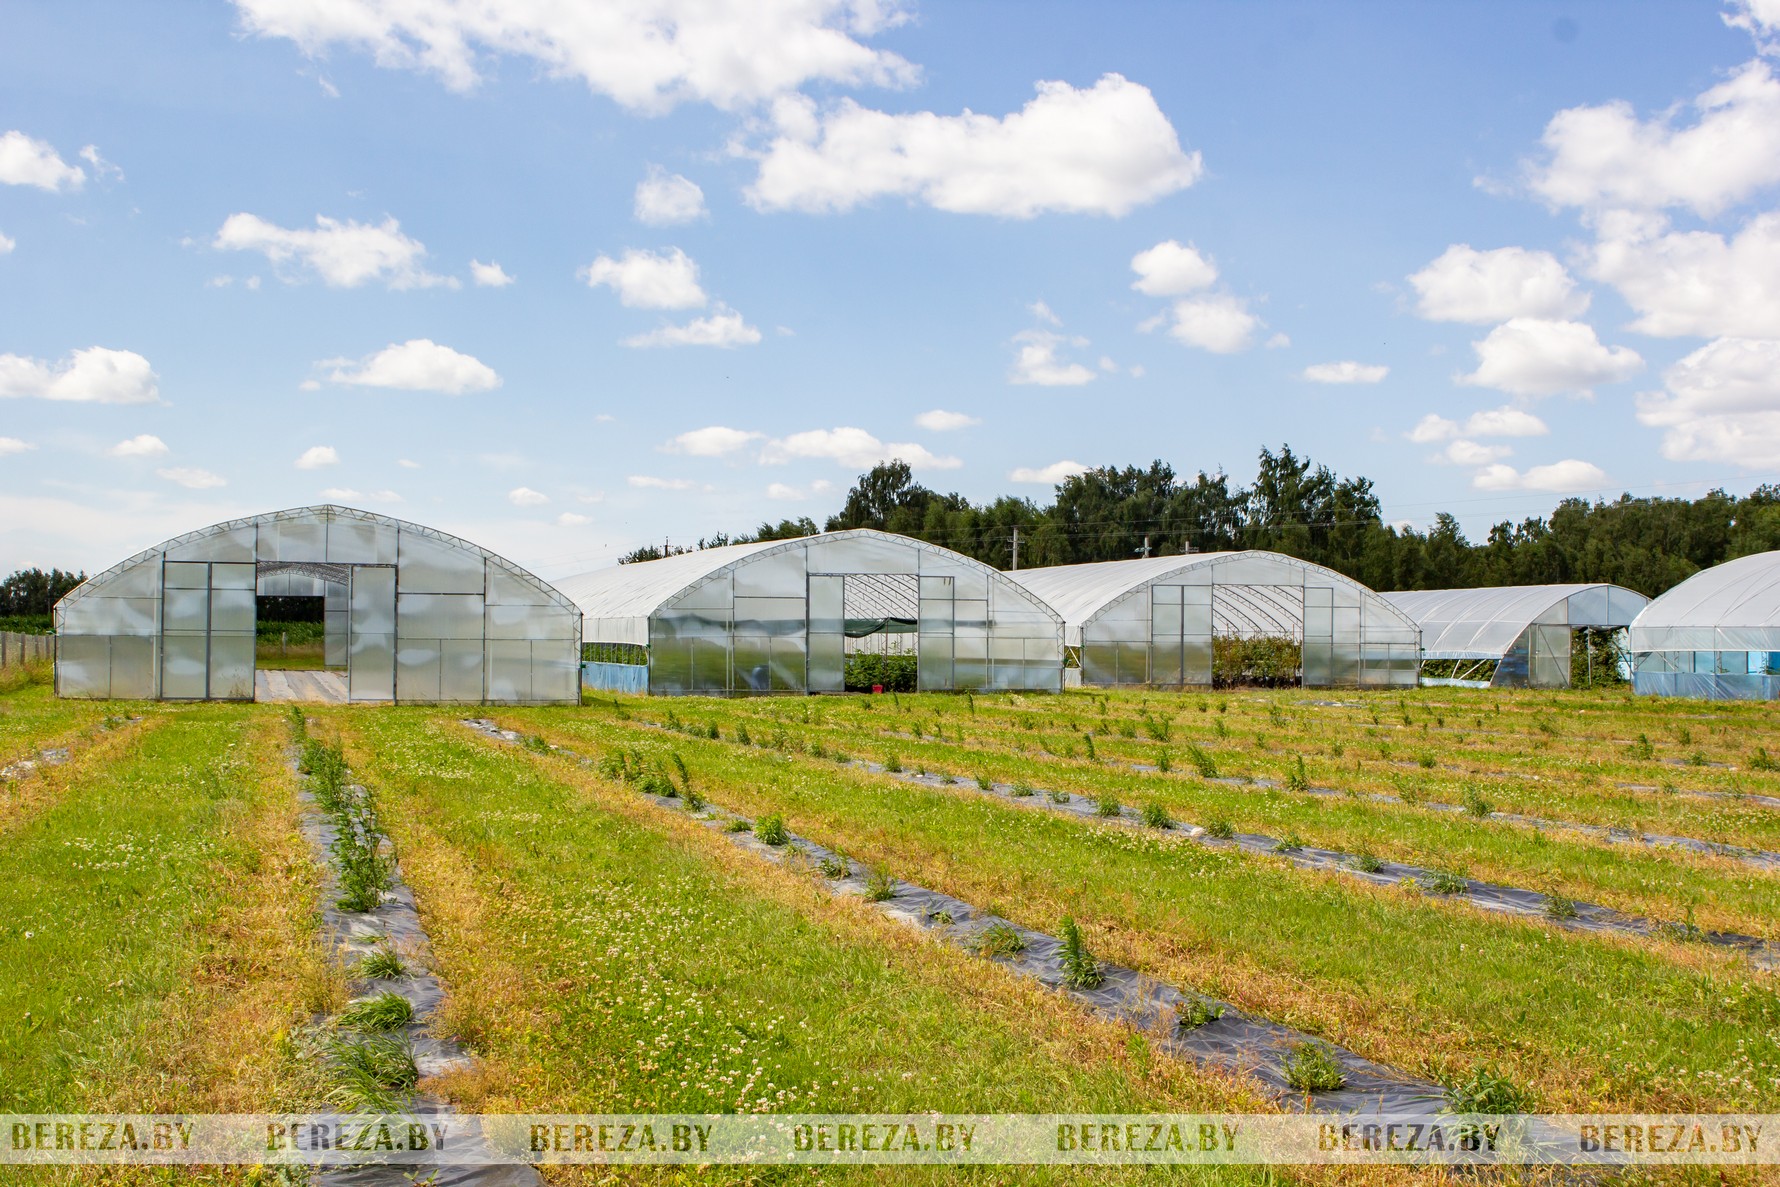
[1016,548]
[1146,547]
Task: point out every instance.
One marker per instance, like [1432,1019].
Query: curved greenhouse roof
[1730,607]
[1486,623]
[412,614]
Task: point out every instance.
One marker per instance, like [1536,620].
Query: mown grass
[602,953]
[1596,1023]
[33,718]
[1718,892]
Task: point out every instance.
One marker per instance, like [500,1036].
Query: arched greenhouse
[1716,635]
[1515,636]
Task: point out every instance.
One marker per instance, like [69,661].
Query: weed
[893,764]
[1022,789]
[1476,805]
[984,783]
[1108,805]
[1057,796]
[740,824]
[382,964]
[1367,863]
[1220,828]
[1559,907]
[1156,816]
[1443,882]
[999,939]
[1080,969]
[1290,843]
[1163,762]
[835,865]
[1203,763]
[771,829]
[880,885]
[1312,1067]
[386,1011]
[1297,779]
[1196,1012]
[1488,1092]
[371,1073]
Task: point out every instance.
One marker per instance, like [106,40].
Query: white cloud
[1569,476]
[1720,404]
[1481,287]
[1506,421]
[1346,371]
[940,421]
[1604,156]
[24,161]
[711,441]
[852,447]
[317,456]
[723,328]
[418,365]
[340,494]
[1219,323]
[1103,150]
[1049,475]
[645,280]
[778,490]
[343,254]
[7,243]
[490,275]
[384,496]
[406,464]
[1530,357]
[1043,313]
[1431,428]
[192,478]
[1038,364]
[1277,341]
[647,482]
[1470,453]
[102,168]
[143,445]
[525,496]
[11,445]
[572,519]
[94,375]
[666,199]
[648,55]
[1168,270]
[1695,283]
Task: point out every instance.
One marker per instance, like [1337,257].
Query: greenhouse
[824,613]
[1219,619]
[1715,635]
[1520,636]
[408,614]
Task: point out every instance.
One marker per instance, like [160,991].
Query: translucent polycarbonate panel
[428,565]
[232,611]
[83,666]
[1346,669]
[233,544]
[1165,621]
[936,588]
[556,673]
[1375,671]
[670,667]
[232,576]
[438,616]
[827,644]
[1548,656]
[691,624]
[186,611]
[1134,663]
[417,670]
[1129,623]
[371,608]
[506,588]
[933,663]
[1100,663]
[509,670]
[231,667]
[969,615]
[970,645]
[776,575]
[364,543]
[828,601]
[969,674]
[1319,622]
[1346,625]
[1165,663]
[861,554]
[532,622]
[303,539]
[781,617]
[184,667]
[1010,649]
[112,616]
[713,593]
[828,662]
[334,612]
[970,583]
[370,667]
[134,662]
[1165,595]
[1196,620]
[140,580]
[187,575]
[786,669]
[1256,570]
[710,665]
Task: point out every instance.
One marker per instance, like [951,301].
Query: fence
[18,649]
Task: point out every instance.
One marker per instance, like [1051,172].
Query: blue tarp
[615,677]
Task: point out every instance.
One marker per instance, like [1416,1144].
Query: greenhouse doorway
[304,632]
[865,632]
[1266,635]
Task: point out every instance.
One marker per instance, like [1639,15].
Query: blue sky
[1484,254]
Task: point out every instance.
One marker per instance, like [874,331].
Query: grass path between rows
[601,953]
[1591,1023]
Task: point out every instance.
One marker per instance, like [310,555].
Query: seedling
[1290,843]
[1443,882]
[1196,1013]
[1000,939]
[1296,777]
[1313,1067]
[1057,796]
[371,1073]
[382,964]
[835,866]
[1108,805]
[1022,789]
[1476,805]
[984,783]
[1203,762]
[694,801]
[1163,761]
[386,1011]
[1220,828]
[1367,863]
[1488,1092]
[1759,761]
[941,917]
[880,885]
[771,829]
[739,825]
[1156,816]
[1080,969]
[893,764]
[1559,907]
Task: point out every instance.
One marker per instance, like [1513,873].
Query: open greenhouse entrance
[1231,636]
[333,639]
[865,632]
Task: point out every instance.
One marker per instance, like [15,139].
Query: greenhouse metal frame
[1519,635]
[413,614]
[1716,635]
[1154,621]
[783,616]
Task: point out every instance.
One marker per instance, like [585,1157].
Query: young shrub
[1203,763]
[984,783]
[1367,863]
[1022,789]
[835,866]
[1127,729]
[893,764]
[1558,906]
[741,735]
[1696,759]
[1476,806]
[1108,805]
[1057,796]
[1759,761]
[1425,761]
[1684,736]
[740,824]
[999,939]
[382,965]
[612,766]
[1156,816]
[536,743]
[880,885]
[1443,882]
[1196,1012]
[1487,1092]
[1290,843]
[1312,1067]
[1164,763]
[680,769]
[1297,779]
[1159,729]
[712,732]
[1088,742]
[386,1011]
[1220,828]
[694,801]
[655,783]
[1080,969]
[1219,728]
[771,830]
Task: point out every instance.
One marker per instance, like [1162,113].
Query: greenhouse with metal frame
[1513,636]
[1216,619]
[1715,635]
[412,615]
[795,616]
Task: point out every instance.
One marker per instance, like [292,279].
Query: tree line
[1304,509]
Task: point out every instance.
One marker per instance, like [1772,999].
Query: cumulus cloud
[1506,421]
[1104,150]
[711,441]
[666,199]
[95,375]
[11,445]
[317,456]
[142,445]
[1470,453]
[1569,476]
[648,55]
[1049,475]
[1696,283]
[854,448]
[1604,156]
[1038,363]
[192,478]
[572,519]
[1219,323]
[1168,270]
[7,243]
[102,168]
[525,496]
[648,482]
[1346,371]
[24,161]
[418,365]
[490,275]
[1531,357]
[723,328]
[342,254]
[783,493]
[341,494]
[646,280]
[1720,404]
[1481,287]
[940,421]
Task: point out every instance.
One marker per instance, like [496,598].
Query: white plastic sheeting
[1715,635]
[1485,623]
